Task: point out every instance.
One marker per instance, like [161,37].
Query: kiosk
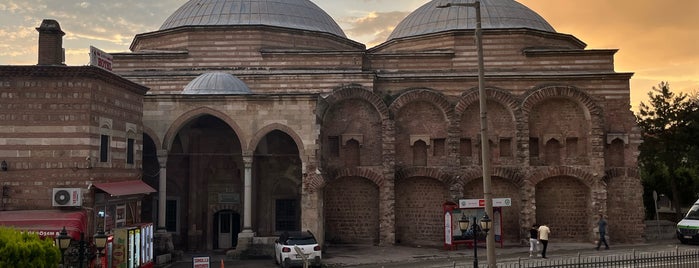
[471,208]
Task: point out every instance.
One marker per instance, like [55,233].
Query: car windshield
[301,241]
[693,213]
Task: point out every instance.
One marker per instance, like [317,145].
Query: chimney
[51,43]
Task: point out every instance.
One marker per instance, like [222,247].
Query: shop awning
[125,187]
[46,223]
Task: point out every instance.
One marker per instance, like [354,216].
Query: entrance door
[228,228]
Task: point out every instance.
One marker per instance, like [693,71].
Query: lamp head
[463,223]
[63,240]
[486,223]
[100,240]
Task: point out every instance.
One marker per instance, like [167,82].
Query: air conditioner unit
[67,197]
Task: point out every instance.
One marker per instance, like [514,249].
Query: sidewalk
[352,255]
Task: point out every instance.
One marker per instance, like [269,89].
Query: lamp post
[63,241]
[485,145]
[100,240]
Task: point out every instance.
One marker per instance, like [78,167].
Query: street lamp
[100,240]
[485,146]
[485,225]
[63,241]
[83,253]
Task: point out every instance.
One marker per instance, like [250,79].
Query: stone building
[262,117]
[68,136]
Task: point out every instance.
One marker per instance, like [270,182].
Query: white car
[291,248]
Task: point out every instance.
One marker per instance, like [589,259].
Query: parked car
[688,227]
[291,248]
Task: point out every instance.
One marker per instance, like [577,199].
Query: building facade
[263,117]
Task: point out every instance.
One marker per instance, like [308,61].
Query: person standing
[544,233]
[602,228]
[533,240]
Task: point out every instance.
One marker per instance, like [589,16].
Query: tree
[668,155]
[22,249]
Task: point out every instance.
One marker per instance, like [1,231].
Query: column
[247,214]
[162,188]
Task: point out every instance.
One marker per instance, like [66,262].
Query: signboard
[100,59]
[200,262]
[480,203]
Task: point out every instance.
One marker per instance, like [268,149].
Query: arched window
[420,153]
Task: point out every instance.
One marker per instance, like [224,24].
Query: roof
[125,187]
[216,83]
[495,14]
[297,14]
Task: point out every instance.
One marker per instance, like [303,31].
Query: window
[420,153]
[104,148]
[351,153]
[533,147]
[438,147]
[553,153]
[466,148]
[285,215]
[130,151]
[505,147]
[572,147]
[334,146]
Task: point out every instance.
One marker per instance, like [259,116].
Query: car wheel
[683,241]
[276,261]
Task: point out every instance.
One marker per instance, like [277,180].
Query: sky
[657,40]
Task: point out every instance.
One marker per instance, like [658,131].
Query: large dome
[495,14]
[216,83]
[297,14]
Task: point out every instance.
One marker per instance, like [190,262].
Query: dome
[216,83]
[297,14]
[495,14]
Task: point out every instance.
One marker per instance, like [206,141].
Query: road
[509,260]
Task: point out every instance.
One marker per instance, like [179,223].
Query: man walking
[544,233]
[602,228]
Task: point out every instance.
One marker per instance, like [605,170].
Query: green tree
[668,155]
[22,249]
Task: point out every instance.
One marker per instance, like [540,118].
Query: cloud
[374,27]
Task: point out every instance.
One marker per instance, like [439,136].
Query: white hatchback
[292,248]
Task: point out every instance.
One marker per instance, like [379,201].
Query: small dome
[495,14]
[297,14]
[216,83]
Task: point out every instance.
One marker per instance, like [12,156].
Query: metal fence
[688,258]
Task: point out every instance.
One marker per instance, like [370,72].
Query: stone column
[162,188]
[247,214]
[162,240]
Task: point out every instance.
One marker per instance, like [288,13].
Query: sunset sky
[657,40]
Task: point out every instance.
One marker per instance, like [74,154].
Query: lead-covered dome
[297,14]
[495,14]
[216,83]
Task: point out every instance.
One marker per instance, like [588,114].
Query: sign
[479,203]
[200,262]
[100,59]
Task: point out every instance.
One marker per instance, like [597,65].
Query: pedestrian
[544,233]
[533,240]
[602,228]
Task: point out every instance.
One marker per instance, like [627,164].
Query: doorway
[227,226]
